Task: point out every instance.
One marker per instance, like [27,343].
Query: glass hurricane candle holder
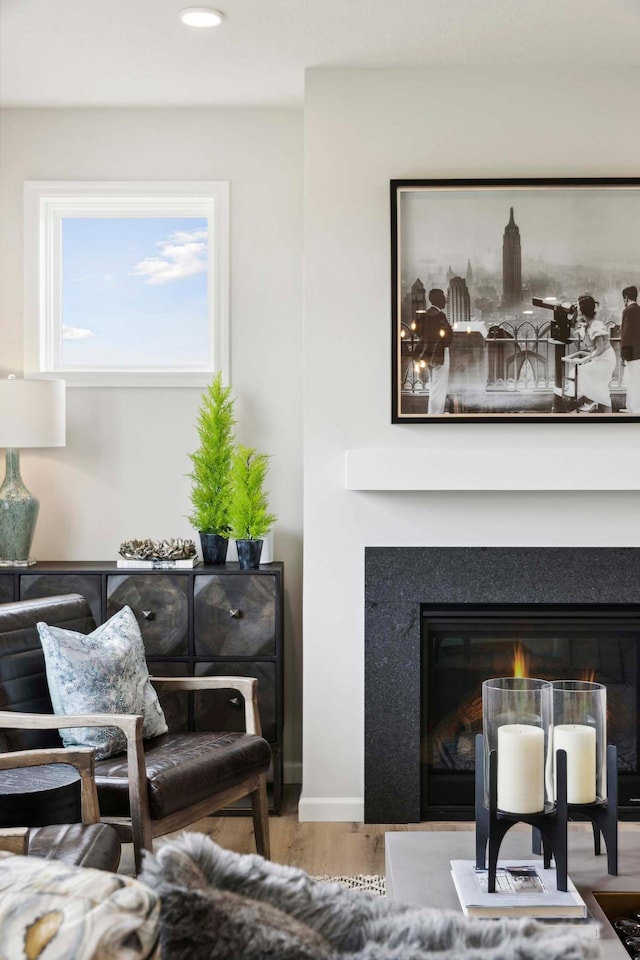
[580,728]
[516,717]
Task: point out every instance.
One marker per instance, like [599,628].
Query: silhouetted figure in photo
[597,362]
[630,347]
[436,334]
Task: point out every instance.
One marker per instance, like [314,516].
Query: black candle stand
[492,824]
[549,826]
[603,817]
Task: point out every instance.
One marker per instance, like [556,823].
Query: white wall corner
[331,809]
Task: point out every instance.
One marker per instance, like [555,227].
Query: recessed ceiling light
[201,17]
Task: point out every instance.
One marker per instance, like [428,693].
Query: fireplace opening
[463,645]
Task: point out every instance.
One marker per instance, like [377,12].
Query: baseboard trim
[340,809]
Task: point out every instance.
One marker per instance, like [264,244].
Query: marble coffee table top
[417,869]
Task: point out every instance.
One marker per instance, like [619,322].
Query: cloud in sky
[184,254]
[76,333]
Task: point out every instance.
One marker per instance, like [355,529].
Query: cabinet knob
[235,702]
[148,614]
[235,614]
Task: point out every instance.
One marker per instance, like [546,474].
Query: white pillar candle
[520,768]
[579,740]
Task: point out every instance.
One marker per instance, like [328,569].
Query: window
[127,283]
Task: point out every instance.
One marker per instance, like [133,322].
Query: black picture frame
[492,247]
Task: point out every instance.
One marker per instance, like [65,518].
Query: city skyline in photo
[590,230]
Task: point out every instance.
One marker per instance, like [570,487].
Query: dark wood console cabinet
[203,621]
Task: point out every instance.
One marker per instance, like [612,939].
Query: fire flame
[521,665]
[520,661]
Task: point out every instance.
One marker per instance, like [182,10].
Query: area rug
[373,883]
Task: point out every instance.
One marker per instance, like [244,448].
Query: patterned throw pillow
[56,911]
[101,672]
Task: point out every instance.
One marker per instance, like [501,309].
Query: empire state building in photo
[511,266]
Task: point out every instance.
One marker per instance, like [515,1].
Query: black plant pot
[249,554]
[214,548]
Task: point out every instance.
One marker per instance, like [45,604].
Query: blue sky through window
[134,291]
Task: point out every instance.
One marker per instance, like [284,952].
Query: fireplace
[438,621]
[462,645]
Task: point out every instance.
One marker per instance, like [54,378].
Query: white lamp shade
[32,413]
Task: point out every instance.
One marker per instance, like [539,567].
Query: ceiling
[136,53]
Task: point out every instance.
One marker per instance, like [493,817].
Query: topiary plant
[249,514]
[211,474]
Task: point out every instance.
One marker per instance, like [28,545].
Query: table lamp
[32,414]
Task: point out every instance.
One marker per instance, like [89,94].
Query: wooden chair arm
[127,722]
[79,757]
[247,686]
[82,758]
[15,840]
[131,726]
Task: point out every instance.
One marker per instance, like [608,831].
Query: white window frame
[47,203]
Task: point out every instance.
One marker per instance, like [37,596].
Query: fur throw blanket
[219,905]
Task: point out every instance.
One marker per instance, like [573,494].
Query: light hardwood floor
[319,848]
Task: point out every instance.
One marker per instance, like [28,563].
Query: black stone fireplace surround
[399,580]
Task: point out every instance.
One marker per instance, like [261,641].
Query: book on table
[523,889]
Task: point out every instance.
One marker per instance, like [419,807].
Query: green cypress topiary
[249,514]
[211,474]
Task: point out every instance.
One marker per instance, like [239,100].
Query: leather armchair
[86,844]
[158,785]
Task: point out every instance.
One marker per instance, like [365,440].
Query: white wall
[363,128]
[122,473]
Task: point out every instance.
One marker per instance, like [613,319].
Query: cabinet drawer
[34,585]
[161,607]
[224,709]
[235,616]
[6,588]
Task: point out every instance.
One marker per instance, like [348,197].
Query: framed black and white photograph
[515,300]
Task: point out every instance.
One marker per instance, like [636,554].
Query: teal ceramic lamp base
[18,515]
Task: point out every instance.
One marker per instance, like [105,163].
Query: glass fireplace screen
[463,647]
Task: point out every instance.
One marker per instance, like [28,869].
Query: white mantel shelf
[441,468]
